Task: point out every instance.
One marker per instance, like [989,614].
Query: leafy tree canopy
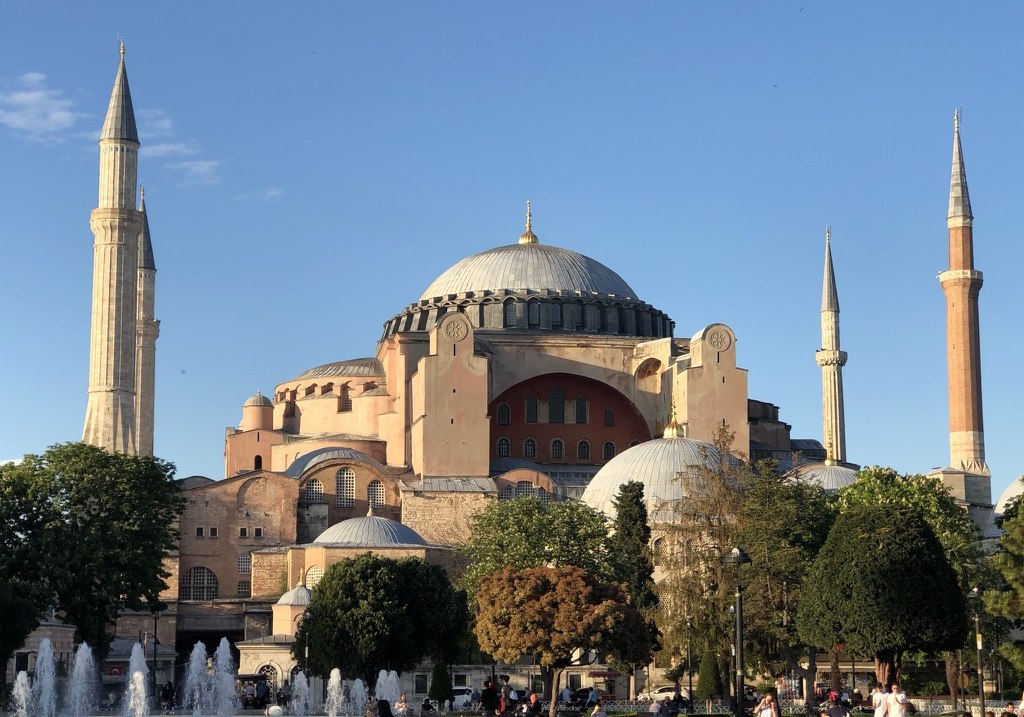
[373,613]
[96,527]
[553,613]
[880,586]
[529,533]
[1007,599]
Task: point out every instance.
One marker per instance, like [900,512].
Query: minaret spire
[116,226]
[831,359]
[528,237]
[148,330]
[961,284]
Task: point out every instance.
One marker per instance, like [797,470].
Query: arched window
[581,410]
[375,494]
[345,399]
[199,584]
[609,450]
[257,463]
[313,576]
[504,448]
[583,450]
[270,672]
[524,488]
[345,488]
[557,449]
[244,564]
[556,406]
[593,317]
[556,314]
[531,409]
[533,314]
[314,491]
[507,493]
[543,495]
[577,316]
[529,448]
[510,313]
[504,414]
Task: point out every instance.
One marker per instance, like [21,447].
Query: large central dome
[529,267]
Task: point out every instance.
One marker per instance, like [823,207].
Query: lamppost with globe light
[975,597]
[738,557]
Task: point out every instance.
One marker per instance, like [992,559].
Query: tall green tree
[440,684]
[553,613]
[100,528]
[1004,597]
[530,533]
[709,683]
[372,613]
[881,586]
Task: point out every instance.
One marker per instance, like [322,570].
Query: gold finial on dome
[673,429]
[528,237]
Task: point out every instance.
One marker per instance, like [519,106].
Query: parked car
[662,692]
[461,697]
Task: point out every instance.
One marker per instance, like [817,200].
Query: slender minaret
[116,225]
[961,285]
[148,331]
[831,359]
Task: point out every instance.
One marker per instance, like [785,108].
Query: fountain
[387,686]
[194,696]
[82,693]
[223,699]
[334,697]
[44,694]
[357,696]
[300,695]
[135,698]
[21,694]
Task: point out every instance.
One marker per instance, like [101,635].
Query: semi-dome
[351,368]
[529,267]
[830,476]
[298,595]
[258,400]
[370,531]
[1012,491]
[657,464]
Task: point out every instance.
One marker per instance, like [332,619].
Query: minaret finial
[120,45]
[142,193]
[529,215]
[528,237]
[828,233]
[673,429]
[956,119]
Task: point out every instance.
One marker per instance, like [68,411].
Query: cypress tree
[710,679]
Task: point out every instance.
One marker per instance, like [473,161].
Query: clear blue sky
[311,167]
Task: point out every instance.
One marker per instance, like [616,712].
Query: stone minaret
[831,359]
[961,285]
[116,225]
[148,331]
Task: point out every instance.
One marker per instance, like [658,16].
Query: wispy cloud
[270,194]
[153,124]
[197,171]
[36,111]
[168,149]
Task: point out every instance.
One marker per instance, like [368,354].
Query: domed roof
[528,266]
[829,476]
[355,368]
[258,400]
[298,595]
[657,464]
[1012,491]
[370,531]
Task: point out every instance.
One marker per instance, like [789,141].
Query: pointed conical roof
[120,121]
[146,260]
[959,198]
[829,294]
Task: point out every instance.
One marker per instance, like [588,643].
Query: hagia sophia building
[527,369]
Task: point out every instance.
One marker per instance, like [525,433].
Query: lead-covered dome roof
[371,531]
[529,267]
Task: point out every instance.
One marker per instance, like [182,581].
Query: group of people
[404,709]
[891,702]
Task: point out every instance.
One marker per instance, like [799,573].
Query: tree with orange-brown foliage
[551,613]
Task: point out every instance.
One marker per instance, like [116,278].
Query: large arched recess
[627,426]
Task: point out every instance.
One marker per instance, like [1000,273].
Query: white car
[461,697]
[660,693]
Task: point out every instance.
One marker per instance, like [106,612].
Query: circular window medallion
[719,340]
[455,330]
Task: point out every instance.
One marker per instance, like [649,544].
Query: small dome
[298,595]
[370,531]
[258,400]
[657,464]
[1012,491]
[831,477]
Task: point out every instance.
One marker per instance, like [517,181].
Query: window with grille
[609,450]
[244,564]
[375,494]
[556,406]
[314,491]
[507,493]
[557,449]
[556,315]
[504,414]
[504,447]
[244,589]
[524,488]
[345,489]
[313,576]
[345,399]
[530,448]
[199,583]
[213,531]
[270,672]
[543,495]
[581,410]
[533,314]
[510,313]
[583,450]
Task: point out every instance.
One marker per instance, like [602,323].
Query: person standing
[767,707]
[896,702]
[489,700]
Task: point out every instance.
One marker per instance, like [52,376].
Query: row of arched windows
[200,583]
[556,410]
[578,316]
[557,449]
[345,490]
[523,489]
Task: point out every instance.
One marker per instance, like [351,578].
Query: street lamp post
[156,696]
[975,596]
[689,665]
[737,558]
